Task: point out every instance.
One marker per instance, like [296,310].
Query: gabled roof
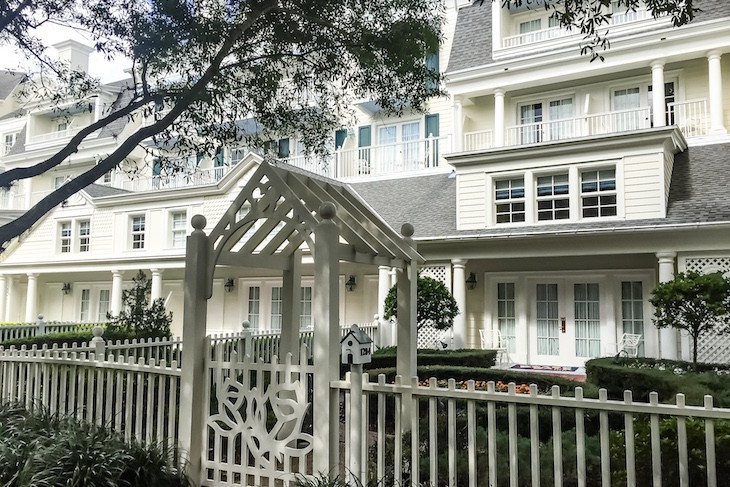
[99,191]
[287,201]
[698,193]
[472,44]
[9,80]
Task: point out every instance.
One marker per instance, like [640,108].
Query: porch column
[156,291]
[657,96]
[717,118]
[498,117]
[10,311]
[667,336]
[192,378]
[458,113]
[291,299]
[3,296]
[383,288]
[31,298]
[115,307]
[459,291]
[326,341]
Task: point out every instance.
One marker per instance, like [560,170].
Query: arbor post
[192,395]
[326,341]
[407,288]
[291,295]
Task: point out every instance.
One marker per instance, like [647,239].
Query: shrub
[386,357]
[145,320]
[435,304]
[41,449]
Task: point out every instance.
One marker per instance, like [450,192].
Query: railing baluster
[656,448]
[682,445]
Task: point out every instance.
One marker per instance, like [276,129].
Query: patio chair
[492,340]
[629,345]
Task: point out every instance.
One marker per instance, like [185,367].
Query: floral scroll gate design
[259,426]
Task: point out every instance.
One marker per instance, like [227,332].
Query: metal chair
[629,344]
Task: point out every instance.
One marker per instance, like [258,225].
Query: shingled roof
[472,45]
[9,80]
[698,193]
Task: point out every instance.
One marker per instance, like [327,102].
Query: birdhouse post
[357,349]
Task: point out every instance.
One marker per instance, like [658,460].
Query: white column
[10,312]
[291,299]
[3,295]
[383,288]
[458,113]
[156,291]
[31,299]
[116,299]
[459,291]
[496,25]
[657,94]
[498,116]
[717,118]
[667,336]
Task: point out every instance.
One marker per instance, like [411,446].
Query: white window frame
[103,310]
[65,236]
[552,197]
[178,231]
[84,239]
[599,193]
[511,200]
[9,140]
[137,237]
[85,305]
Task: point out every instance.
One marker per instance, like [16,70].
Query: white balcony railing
[51,136]
[199,177]
[690,116]
[481,139]
[12,201]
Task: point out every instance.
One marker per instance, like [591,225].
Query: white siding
[644,186]
[471,207]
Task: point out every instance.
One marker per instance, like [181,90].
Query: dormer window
[510,200]
[8,142]
[598,193]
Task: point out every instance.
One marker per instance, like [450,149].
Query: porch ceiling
[275,215]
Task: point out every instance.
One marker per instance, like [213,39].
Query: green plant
[321,480]
[435,304]
[386,357]
[67,338]
[693,302]
[138,315]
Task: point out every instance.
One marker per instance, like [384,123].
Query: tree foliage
[693,302]
[293,66]
[592,18]
[435,304]
[138,315]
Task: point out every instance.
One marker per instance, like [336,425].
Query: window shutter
[340,136]
[432,125]
[432,129]
[363,136]
[218,159]
[283,148]
[432,66]
[156,167]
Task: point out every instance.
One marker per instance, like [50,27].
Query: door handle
[562,325]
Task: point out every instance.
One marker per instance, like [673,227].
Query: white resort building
[549,193]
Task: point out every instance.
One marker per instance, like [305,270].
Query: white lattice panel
[708,264]
[440,272]
[430,337]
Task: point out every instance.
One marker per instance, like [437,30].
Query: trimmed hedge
[66,338]
[386,357]
[665,377]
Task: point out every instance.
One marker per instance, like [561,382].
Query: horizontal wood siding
[471,201]
[643,186]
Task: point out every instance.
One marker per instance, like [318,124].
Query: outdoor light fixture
[66,288]
[471,282]
[229,285]
[351,283]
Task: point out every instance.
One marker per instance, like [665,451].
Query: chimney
[75,54]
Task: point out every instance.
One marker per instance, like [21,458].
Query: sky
[99,67]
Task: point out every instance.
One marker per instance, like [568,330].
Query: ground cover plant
[40,449]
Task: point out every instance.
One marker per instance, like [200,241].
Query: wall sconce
[66,288]
[351,283]
[229,285]
[471,282]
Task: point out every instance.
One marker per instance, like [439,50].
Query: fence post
[98,343]
[193,397]
[40,326]
[247,338]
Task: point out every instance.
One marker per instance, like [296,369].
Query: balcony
[690,116]
[199,177]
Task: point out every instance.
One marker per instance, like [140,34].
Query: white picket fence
[137,398]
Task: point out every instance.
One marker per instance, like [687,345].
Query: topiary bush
[67,338]
[386,357]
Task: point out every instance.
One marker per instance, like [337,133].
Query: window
[65,234]
[632,310]
[587,320]
[103,304]
[254,305]
[510,200]
[84,308]
[9,142]
[531,118]
[61,126]
[178,224]
[552,198]
[506,313]
[548,328]
[537,125]
[84,227]
[305,318]
[276,308]
[527,28]
[138,226]
[107,178]
[598,193]
[59,181]
[398,145]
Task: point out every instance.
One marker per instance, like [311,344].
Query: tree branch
[12,16]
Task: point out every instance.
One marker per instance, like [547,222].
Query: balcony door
[565,321]
[398,146]
[555,124]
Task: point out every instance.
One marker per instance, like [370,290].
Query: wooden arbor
[280,213]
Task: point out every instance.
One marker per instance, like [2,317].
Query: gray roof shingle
[99,191]
[472,44]
[698,193]
[8,81]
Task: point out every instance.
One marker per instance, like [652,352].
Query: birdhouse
[357,347]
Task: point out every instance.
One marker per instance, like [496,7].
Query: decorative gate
[258,426]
